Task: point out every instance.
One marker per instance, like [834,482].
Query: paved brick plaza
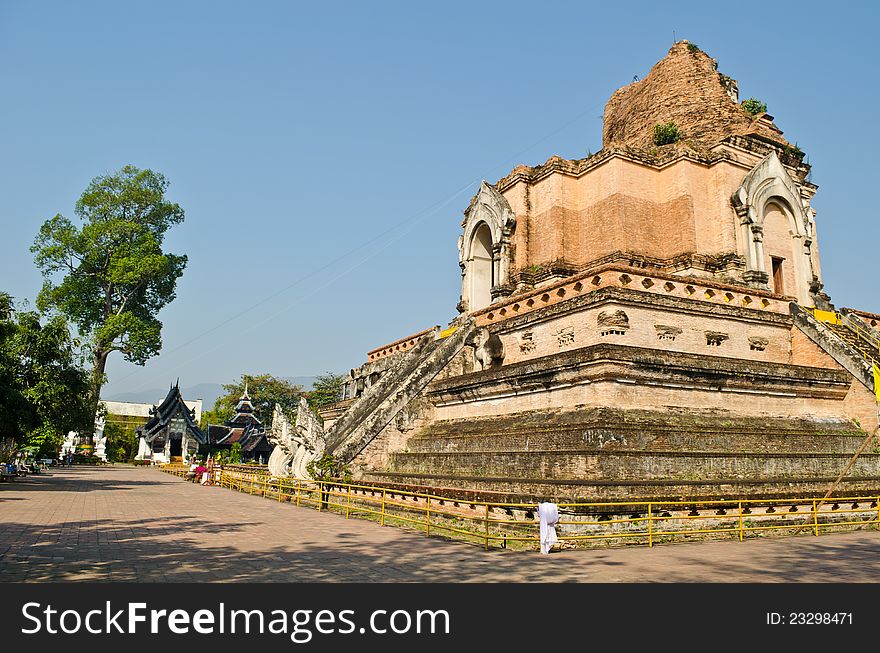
[136,524]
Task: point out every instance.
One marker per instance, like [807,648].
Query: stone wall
[615,375]
[612,429]
[690,328]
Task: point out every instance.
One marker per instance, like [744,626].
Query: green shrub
[666,133]
[753,107]
[693,48]
[328,467]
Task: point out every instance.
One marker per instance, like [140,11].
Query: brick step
[613,438]
[667,417]
[634,465]
[617,429]
[525,489]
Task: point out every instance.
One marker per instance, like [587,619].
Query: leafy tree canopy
[328,467]
[327,389]
[44,389]
[264,390]
[122,442]
[109,275]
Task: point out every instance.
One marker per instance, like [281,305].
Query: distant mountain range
[207,392]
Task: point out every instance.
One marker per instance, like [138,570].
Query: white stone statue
[295,446]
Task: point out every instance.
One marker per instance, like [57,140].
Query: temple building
[127,414]
[245,428]
[171,434]
[649,321]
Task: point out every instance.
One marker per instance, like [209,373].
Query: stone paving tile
[138,524]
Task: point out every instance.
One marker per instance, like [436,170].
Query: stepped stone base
[611,429]
[626,419]
[531,490]
[606,454]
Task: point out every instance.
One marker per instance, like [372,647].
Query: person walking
[548,514]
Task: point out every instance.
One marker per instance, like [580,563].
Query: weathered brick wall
[806,352]
[531,489]
[655,397]
[628,465]
[624,429]
[861,405]
[624,205]
[652,379]
[581,329]
[684,87]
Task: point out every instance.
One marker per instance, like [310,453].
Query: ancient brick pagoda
[649,321]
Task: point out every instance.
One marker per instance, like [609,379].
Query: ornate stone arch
[769,183]
[489,208]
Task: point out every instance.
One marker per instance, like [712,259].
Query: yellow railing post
[428,517]
[348,505]
[265,485]
[382,522]
[815,519]
[320,494]
[298,489]
[740,521]
[878,512]
[487,526]
[650,528]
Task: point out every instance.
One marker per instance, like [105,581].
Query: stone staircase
[859,336]
[854,345]
[616,454]
[399,385]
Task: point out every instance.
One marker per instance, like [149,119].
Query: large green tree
[14,408]
[44,389]
[327,389]
[109,275]
[264,391]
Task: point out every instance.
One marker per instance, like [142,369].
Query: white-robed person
[548,514]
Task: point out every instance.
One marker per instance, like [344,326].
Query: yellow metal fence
[514,524]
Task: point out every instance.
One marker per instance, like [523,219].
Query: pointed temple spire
[244,411]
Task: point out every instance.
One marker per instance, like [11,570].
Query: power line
[411,221]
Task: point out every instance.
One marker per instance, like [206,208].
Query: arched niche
[484,249]
[481,276]
[775,230]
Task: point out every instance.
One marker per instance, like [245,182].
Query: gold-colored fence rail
[515,524]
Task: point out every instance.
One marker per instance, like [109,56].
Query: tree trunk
[100,363]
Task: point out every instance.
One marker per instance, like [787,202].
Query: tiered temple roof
[171,416]
[245,428]
[245,414]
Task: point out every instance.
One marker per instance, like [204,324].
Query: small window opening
[778,281]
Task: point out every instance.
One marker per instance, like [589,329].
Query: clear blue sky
[294,133]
